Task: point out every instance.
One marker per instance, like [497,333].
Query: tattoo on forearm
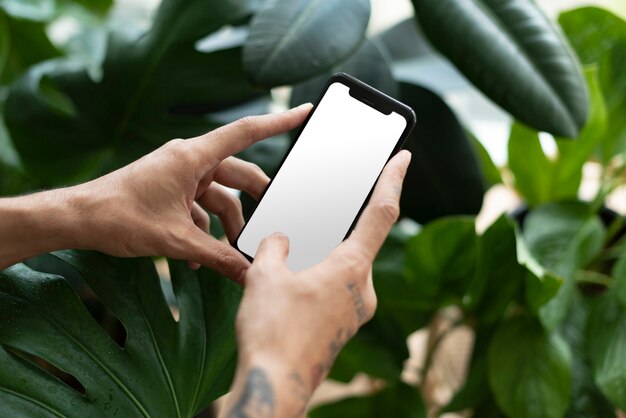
[359,305]
[320,370]
[299,391]
[257,398]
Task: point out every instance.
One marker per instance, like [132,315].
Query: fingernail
[307,105]
[406,156]
[279,235]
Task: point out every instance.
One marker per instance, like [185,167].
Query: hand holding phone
[324,181]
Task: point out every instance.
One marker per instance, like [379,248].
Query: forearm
[266,388]
[36,224]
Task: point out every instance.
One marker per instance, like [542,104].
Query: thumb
[273,251]
[201,248]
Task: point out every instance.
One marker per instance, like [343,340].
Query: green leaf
[56,100]
[292,40]
[530,166]
[378,349]
[22,44]
[529,370]
[153,89]
[562,237]
[398,400]
[444,177]
[541,285]
[36,10]
[369,64]
[97,7]
[619,277]
[541,180]
[396,294]
[599,37]
[5,39]
[405,41]
[166,368]
[490,172]
[513,53]
[606,336]
[572,155]
[587,401]
[499,277]
[440,261]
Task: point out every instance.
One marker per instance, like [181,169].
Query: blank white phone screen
[322,184]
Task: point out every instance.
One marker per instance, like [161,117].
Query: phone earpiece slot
[371,100]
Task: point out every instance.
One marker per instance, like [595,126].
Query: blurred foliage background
[541,291]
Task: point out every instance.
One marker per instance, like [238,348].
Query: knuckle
[388,210]
[177,149]
[233,204]
[352,263]
[222,261]
[258,171]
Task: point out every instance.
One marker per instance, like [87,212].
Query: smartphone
[325,179]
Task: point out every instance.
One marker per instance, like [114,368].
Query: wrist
[35,224]
[264,383]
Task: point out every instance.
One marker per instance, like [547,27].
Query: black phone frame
[372,98]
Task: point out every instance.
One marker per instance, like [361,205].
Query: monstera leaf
[166,368]
[155,87]
[511,52]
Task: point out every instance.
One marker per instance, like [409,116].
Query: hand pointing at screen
[156,206]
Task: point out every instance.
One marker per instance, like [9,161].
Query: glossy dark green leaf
[444,177]
[166,368]
[292,40]
[22,44]
[599,37]
[398,400]
[153,89]
[529,370]
[498,278]
[540,179]
[619,276]
[405,41]
[440,261]
[490,171]
[606,336]
[513,53]
[369,64]
[562,237]
[184,21]
[586,400]
[530,166]
[572,155]
[396,294]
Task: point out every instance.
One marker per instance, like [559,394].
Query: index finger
[237,136]
[383,209]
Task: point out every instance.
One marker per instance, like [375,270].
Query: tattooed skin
[320,370]
[257,399]
[359,306]
[299,391]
